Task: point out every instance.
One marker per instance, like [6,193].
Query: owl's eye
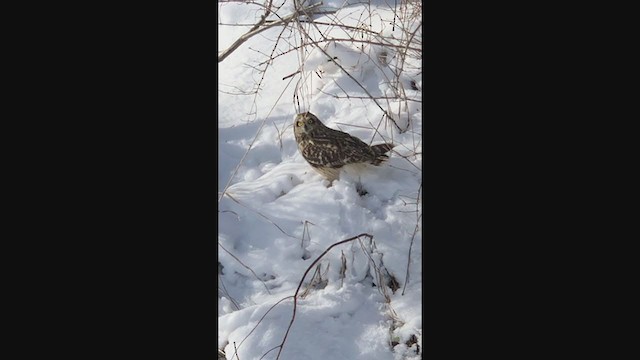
[310,121]
[298,123]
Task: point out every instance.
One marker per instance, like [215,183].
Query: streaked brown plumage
[328,150]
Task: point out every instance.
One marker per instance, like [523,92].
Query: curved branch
[295,296]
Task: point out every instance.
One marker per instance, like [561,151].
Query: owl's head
[305,123]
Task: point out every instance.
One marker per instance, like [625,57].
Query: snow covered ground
[362,300]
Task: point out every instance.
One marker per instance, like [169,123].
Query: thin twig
[399,46]
[352,78]
[270,350]
[415,231]
[224,288]
[260,321]
[248,268]
[366,97]
[295,296]
[235,171]
[262,215]
[257,29]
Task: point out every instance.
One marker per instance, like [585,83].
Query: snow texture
[277,215]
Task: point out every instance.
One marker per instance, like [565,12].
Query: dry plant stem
[344,40]
[235,171]
[385,113]
[264,72]
[378,273]
[308,288]
[295,296]
[262,215]
[406,279]
[382,287]
[306,34]
[245,37]
[376,131]
[232,212]
[290,75]
[400,46]
[411,39]
[224,288]
[415,231]
[260,321]
[270,350]
[305,230]
[364,97]
[257,29]
[342,26]
[248,268]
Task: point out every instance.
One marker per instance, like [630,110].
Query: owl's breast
[304,141]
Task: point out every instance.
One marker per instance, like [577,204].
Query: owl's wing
[337,150]
[323,153]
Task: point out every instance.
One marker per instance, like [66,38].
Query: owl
[328,150]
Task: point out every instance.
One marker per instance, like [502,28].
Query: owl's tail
[379,151]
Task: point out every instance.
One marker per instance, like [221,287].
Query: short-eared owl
[328,150]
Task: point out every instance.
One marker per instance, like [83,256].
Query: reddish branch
[295,296]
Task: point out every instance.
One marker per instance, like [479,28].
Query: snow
[277,215]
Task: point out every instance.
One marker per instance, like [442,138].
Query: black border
[129,217]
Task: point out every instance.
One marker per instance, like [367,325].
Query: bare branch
[257,29]
[295,296]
